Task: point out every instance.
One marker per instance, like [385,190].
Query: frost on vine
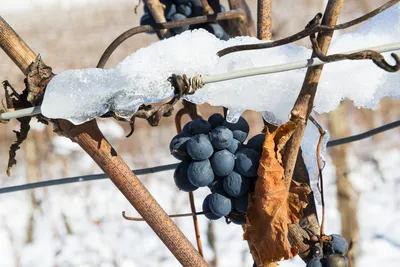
[274,205]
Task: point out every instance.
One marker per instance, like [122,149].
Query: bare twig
[375,56]
[264,19]
[307,32]
[320,167]
[137,6]
[196,224]
[178,119]
[138,219]
[229,15]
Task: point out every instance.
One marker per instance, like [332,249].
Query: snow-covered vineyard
[81,224]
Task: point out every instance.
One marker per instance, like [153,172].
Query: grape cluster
[176,10]
[213,154]
[330,254]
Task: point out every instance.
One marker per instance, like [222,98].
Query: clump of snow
[81,95]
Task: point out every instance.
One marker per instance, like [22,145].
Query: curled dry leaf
[274,205]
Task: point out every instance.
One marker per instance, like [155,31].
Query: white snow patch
[142,77]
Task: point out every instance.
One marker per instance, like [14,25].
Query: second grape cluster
[178,10]
[213,155]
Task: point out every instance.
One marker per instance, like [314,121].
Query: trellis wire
[161,168]
[305,63]
[84,178]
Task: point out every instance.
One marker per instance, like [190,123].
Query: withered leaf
[21,136]
[274,205]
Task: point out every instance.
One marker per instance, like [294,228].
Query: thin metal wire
[84,178]
[304,63]
[198,81]
[168,167]
[364,135]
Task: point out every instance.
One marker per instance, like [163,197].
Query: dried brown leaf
[274,205]
[21,136]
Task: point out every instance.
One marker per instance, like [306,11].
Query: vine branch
[316,28]
[301,112]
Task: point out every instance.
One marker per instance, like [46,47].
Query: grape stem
[319,162]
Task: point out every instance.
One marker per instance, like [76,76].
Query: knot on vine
[184,85]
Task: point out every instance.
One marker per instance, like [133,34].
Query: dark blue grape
[220,205]
[240,129]
[247,161]
[179,17]
[215,29]
[217,185]
[221,137]
[238,218]
[339,244]
[181,179]
[178,147]
[314,262]
[181,2]
[199,147]
[197,7]
[236,185]
[170,10]
[206,208]
[185,10]
[216,120]
[200,173]
[256,142]
[223,162]
[235,146]
[145,9]
[241,203]
[147,19]
[185,129]
[199,126]
[225,37]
